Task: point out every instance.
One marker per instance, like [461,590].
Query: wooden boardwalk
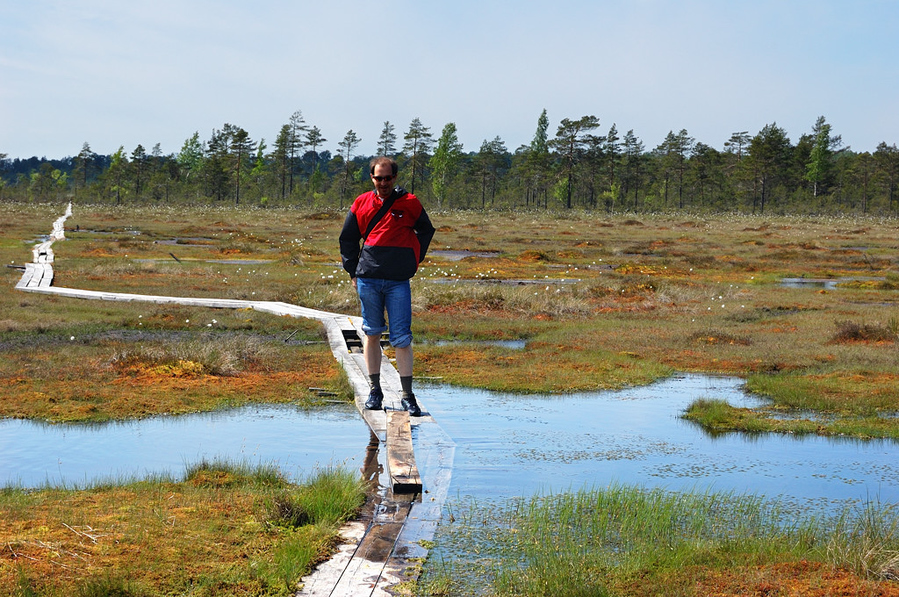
[383,548]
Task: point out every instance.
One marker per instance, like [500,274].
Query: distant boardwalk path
[379,550]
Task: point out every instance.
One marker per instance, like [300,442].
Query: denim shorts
[394,296]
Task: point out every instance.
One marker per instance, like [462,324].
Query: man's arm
[425,232]
[349,244]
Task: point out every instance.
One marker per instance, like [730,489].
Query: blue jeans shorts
[394,296]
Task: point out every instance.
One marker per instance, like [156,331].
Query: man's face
[383,180]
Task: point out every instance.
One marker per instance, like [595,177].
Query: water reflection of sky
[826,283]
[506,446]
[296,440]
[517,446]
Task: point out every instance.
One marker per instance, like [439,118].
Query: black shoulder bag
[385,205]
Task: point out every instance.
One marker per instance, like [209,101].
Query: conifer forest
[583,164]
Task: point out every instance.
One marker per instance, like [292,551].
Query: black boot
[375,397]
[409,403]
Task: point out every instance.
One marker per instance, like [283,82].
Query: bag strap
[385,205]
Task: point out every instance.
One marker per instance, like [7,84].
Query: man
[395,232]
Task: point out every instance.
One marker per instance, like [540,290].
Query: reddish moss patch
[533,256]
[712,338]
[146,390]
[800,579]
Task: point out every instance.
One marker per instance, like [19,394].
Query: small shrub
[324,216]
[848,332]
[532,255]
[600,291]
[700,260]
[286,511]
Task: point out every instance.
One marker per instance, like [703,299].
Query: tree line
[577,167]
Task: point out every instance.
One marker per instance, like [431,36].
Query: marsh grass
[530,370]
[701,296]
[866,540]
[717,416]
[126,375]
[608,302]
[623,540]
[864,391]
[212,533]
[220,355]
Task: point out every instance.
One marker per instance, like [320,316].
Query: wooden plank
[41,275]
[27,275]
[434,455]
[47,277]
[404,477]
[280,308]
[368,571]
[353,363]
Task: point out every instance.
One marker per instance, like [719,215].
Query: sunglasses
[380,178]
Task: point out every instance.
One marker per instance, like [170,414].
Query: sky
[118,73]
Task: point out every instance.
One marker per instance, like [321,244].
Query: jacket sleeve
[349,244]
[425,232]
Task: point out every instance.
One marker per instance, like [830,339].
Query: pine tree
[570,141]
[418,142]
[820,165]
[538,160]
[444,162]
[347,146]
[387,140]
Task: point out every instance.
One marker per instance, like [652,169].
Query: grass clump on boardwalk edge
[222,530]
[625,540]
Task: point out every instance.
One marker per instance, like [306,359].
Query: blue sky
[121,73]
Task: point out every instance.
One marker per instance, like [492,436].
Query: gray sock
[375,380]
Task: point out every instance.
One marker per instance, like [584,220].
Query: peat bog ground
[593,301]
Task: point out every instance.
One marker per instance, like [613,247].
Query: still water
[512,446]
[297,441]
[506,446]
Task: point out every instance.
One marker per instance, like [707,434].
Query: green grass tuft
[612,540]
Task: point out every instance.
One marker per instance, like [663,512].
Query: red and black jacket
[397,243]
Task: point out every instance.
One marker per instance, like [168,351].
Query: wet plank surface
[404,477]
